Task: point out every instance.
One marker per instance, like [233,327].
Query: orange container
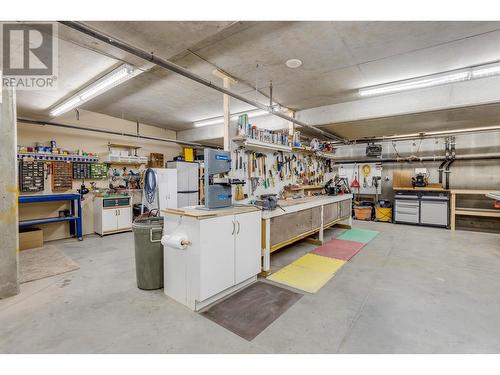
[363,213]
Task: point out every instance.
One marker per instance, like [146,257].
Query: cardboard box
[30,238]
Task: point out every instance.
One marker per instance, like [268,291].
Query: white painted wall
[72,139]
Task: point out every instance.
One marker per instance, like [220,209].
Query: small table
[74,219]
[466,211]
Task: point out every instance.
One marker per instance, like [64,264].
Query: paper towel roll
[177,241]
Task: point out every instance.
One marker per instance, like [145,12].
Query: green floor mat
[358,235]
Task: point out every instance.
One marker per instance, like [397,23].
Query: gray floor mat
[44,262]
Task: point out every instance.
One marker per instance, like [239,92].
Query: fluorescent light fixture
[486,71]
[208,122]
[220,119]
[413,84]
[466,74]
[110,80]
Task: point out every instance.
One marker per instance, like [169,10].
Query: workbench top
[200,213]
[429,187]
[294,205]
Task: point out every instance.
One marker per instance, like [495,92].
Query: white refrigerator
[187,182]
[166,180]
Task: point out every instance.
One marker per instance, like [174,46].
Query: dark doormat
[248,312]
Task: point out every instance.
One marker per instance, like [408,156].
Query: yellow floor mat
[319,263]
[308,273]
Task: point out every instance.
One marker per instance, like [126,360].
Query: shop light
[475,72]
[220,119]
[110,80]
[414,84]
[486,71]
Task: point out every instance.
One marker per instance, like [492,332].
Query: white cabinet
[112,215]
[224,255]
[217,255]
[124,221]
[247,249]
[109,221]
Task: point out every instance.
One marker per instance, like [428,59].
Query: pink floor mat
[339,249]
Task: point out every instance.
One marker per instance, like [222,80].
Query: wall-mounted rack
[253,144]
[54,157]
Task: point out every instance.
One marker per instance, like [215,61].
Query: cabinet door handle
[238,227]
[233,228]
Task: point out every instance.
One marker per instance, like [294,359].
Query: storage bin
[363,213]
[383,214]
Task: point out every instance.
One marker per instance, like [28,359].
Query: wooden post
[291,126]
[227,138]
[227,82]
[452,210]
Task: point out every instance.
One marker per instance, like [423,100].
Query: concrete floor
[411,290]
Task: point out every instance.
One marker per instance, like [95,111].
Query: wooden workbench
[300,218]
[200,213]
[467,211]
[430,187]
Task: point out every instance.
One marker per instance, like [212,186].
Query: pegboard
[366,183]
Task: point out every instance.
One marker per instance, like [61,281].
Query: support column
[291,126]
[227,117]
[9,242]
[227,82]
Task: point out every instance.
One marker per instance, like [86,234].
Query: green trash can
[148,252]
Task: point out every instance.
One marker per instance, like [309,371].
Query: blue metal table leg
[79,230]
[72,223]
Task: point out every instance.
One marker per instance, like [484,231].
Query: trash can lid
[148,222]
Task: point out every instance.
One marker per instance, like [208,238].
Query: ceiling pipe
[150,57]
[412,159]
[426,135]
[168,140]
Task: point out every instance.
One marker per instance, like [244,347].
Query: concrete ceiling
[457,118]
[338,58]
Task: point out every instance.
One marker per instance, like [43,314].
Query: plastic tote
[383,211]
[148,252]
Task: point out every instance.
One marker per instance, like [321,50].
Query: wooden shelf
[254,144]
[119,145]
[465,211]
[473,192]
[470,211]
